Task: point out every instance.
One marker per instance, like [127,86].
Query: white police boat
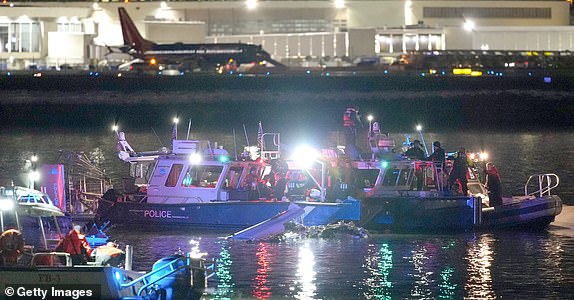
[197,184]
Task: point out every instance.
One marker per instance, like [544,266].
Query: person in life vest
[493,185]
[76,245]
[351,120]
[11,246]
[109,255]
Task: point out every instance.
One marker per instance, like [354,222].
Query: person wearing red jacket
[76,245]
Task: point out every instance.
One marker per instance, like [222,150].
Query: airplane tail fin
[132,36]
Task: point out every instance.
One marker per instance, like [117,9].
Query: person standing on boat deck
[250,183]
[279,187]
[417,152]
[493,185]
[438,159]
[438,154]
[351,119]
[76,245]
[459,170]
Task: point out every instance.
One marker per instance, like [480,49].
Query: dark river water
[511,265]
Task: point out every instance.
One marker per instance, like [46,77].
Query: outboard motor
[175,285]
[188,282]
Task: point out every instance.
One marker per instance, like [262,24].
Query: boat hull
[417,214]
[228,215]
[424,214]
[66,282]
[530,213]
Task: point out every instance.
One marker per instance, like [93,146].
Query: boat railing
[273,151]
[543,182]
[150,279]
[51,259]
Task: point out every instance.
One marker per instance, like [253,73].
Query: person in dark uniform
[416,151]
[438,158]
[438,154]
[351,120]
[459,170]
[493,185]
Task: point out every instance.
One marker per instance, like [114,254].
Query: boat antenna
[245,132]
[160,142]
[234,144]
[188,129]
[420,130]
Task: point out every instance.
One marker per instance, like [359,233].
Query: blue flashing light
[547,79]
[423,74]
[354,73]
[91,73]
[8,74]
[182,73]
[529,73]
[443,72]
[240,74]
[223,159]
[384,164]
[118,276]
[386,72]
[308,72]
[231,72]
[327,74]
[267,73]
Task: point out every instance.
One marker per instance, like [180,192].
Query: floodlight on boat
[6,204]
[305,156]
[419,128]
[175,120]
[195,158]
[115,128]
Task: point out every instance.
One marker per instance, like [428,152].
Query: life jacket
[74,243]
[350,117]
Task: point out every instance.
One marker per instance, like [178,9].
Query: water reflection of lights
[379,265]
[420,258]
[225,284]
[261,290]
[479,257]
[306,273]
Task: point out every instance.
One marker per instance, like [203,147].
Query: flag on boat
[260,142]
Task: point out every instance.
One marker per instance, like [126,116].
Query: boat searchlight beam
[420,130]
[305,156]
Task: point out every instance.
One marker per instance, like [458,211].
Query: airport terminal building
[87,33]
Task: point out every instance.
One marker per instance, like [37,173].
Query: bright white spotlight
[251,4]
[419,128]
[195,158]
[305,156]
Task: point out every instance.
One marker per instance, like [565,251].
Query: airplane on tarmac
[190,56]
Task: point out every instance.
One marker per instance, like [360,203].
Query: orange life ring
[11,245]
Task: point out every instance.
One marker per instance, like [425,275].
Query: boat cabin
[195,172]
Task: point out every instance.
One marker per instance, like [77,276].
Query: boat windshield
[201,176]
